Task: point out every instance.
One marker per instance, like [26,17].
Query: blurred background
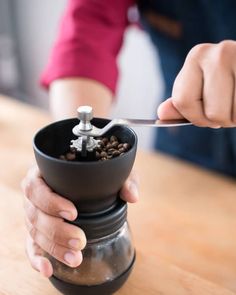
[27,31]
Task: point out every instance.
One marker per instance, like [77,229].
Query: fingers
[130,191]
[204,90]
[72,258]
[218,90]
[234,103]
[38,262]
[187,92]
[55,229]
[36,190]
[167,111]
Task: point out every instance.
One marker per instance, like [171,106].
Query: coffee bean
[103,154]
[110,151]
[108,146]
[98,149]
[113,138]
[121,150]
[106,149]
[115,153]
[126,146]
[105,140]
[115,144]
[70,156]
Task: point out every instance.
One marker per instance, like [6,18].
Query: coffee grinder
[93,186]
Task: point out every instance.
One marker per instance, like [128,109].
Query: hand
[204,90]
[47,231]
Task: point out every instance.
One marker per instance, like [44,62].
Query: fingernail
[75,243]
[66,215]
[70,258]
[134,190]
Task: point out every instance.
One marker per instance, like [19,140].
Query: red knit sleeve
[90,37]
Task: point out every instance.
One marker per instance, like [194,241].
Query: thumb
[167,111]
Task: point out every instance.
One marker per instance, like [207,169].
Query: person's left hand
[204,91]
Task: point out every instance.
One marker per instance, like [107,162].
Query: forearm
[66,95]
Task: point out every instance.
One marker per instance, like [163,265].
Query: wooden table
[184,226]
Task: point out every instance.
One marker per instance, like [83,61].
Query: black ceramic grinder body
[93,186]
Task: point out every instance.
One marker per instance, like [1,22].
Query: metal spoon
[85,115]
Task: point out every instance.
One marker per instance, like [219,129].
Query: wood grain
[183,226]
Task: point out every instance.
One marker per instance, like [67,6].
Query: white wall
[140,83]
[36,25]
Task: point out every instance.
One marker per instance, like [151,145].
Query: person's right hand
[47,230]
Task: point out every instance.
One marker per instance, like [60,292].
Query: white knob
[85,114]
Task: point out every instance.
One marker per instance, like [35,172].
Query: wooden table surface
[184,225]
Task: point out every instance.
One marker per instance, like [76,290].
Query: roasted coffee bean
[120,146]
[115,144]
[111,149]
[115,153]
[70,156]
[98,149]
[106,149]
[108,146]
[103,154]
[105,140]
[113,138]
[121,150]
[101,144]
[126,146]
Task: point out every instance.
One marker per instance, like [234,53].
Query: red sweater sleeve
[90,37]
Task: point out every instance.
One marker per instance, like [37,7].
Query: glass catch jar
[107,258]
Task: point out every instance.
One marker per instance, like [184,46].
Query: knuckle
[225,46]
[214,116]
[27,188]
[52,247]
[31,185]
[234,119]
[48,206]
[32,231]
[181,102]
[198,50]
[32,213]
[53,232]
[223,50]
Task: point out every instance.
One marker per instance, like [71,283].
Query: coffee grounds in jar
[108,148]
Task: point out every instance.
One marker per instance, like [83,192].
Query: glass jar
[107,258]
[104,259]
